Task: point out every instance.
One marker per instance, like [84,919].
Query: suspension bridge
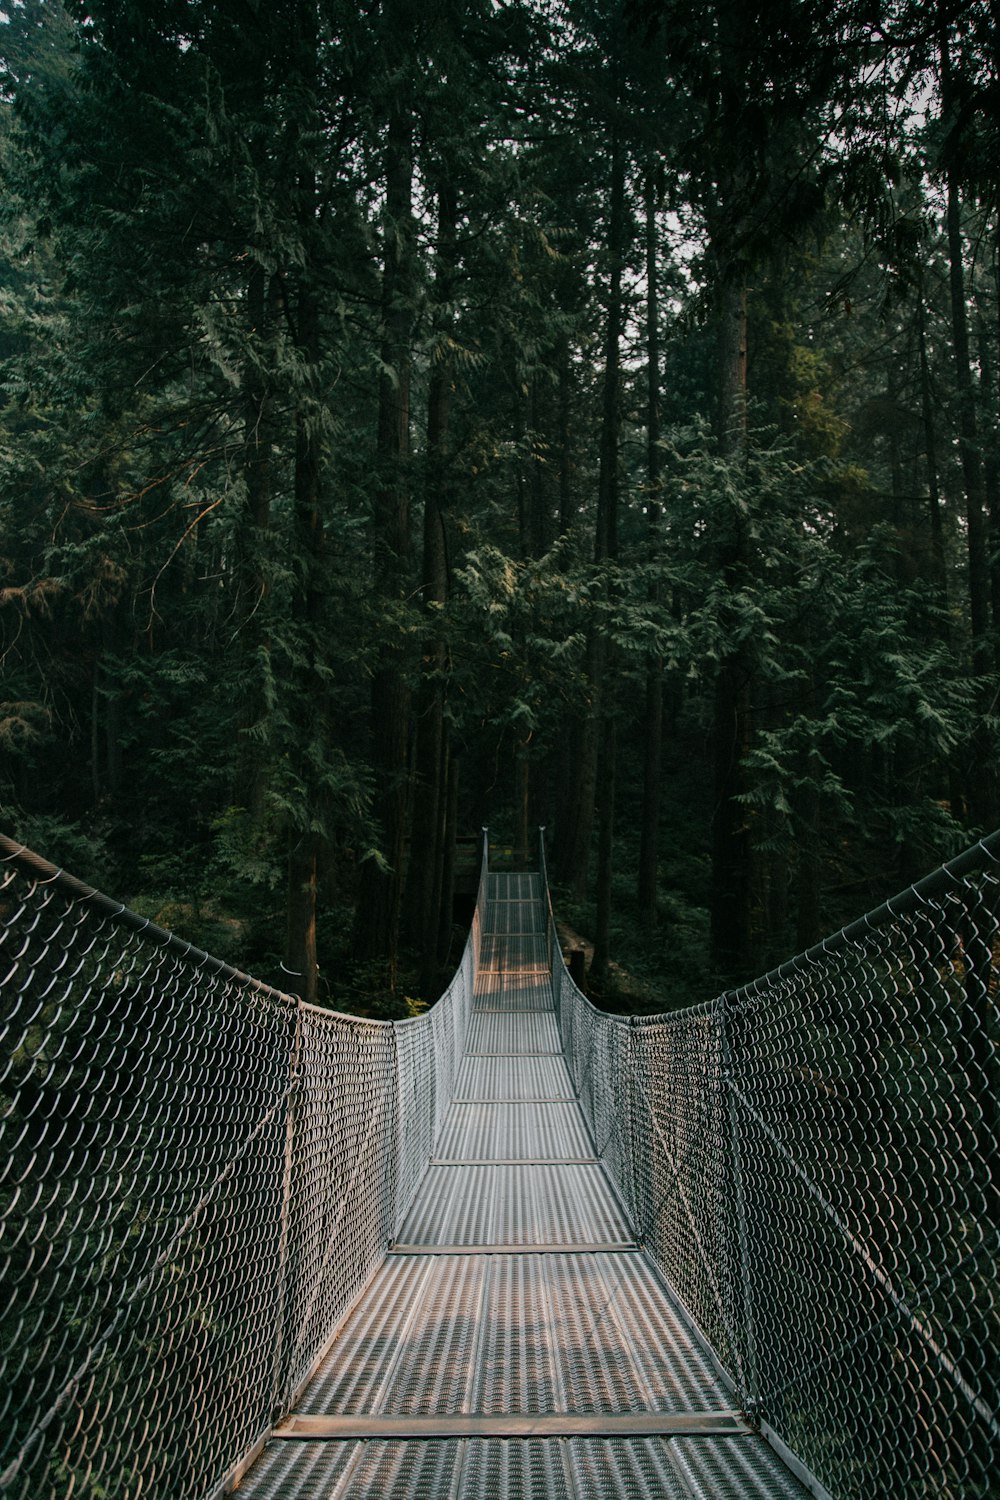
[513,1247]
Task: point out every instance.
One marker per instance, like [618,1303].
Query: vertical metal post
[738,1256]
[283,1333]
[631,1134]
[395,1198]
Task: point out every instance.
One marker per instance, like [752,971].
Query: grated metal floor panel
[509,990]
[514,1343]
[534,1130]
[515,917]
[504,1033]
[525,1077]
[730,1473]
[652,1468]
[523,885]
[515,953]
[534,1333]
[515,1204]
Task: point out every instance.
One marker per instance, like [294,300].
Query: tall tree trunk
[932,467]
[575,812]
[972,468]
[447,902]
[649,829]
[565,807]
[904,772]
[732,418]
[993,461]
[305,843]
[606,540]
[575,833]
[539,520]
[983,783]
[929,405]
[376,916]
[252,606]
[606,550]
[301,959]
[305,839]
[731,899]
[566,507]
[522,797]
[605,856]
[250,779]
[430,781]
[521,478]
[991,468]
[731,903]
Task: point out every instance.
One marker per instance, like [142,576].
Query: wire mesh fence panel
[442,1023]
[597,1054]
[683,1162]
[418,1110]
[428,1051]
[198,1175]
[342,1169]
[812,1161]
[142,1154]
[864,1085]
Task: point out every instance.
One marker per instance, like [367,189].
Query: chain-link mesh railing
[429,1049]
[198,1175]
[812,1162]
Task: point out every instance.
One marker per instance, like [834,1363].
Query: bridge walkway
[516,1342]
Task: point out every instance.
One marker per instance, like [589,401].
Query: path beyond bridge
[515,1247]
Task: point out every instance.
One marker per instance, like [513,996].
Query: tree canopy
[577,414]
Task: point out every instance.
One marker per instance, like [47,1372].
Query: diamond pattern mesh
[198,1175]
[812,1162]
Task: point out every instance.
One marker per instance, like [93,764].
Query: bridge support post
[744,1333]
[283,1330]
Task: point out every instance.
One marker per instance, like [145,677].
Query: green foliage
[193,252]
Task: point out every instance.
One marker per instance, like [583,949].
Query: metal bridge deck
[516,1342]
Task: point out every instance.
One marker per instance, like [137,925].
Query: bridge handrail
[198,1175]
[812,1162]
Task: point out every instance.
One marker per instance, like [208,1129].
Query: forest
[579,413]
